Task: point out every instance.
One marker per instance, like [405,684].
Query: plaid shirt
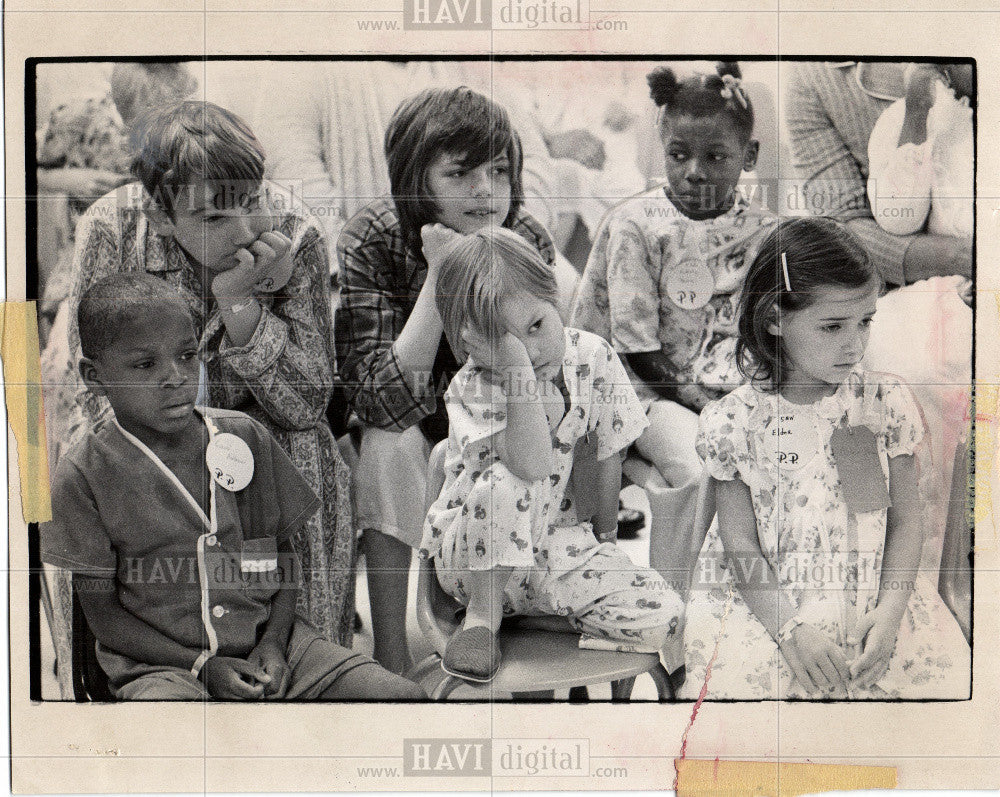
[830,115]
[380,281]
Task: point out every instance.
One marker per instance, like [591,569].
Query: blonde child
[813,463]
[509,533]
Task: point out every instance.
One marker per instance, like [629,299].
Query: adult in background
[324,137]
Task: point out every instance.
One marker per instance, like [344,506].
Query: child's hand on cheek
[265,266]
[228,678]
[499,356]
[480,349]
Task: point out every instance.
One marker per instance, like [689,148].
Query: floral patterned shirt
[602,402]
[659,281]
[284,372]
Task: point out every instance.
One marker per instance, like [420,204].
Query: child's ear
[90,373]
[774,325]
[159,219]
[750,155]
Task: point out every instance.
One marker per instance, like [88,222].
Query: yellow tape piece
[780,779]
[986,449]
[25,414]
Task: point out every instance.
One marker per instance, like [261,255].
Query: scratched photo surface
[568,421]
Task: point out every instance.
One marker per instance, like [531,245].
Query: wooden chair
[534,663]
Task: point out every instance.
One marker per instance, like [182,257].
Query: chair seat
[532,661]
[538,661]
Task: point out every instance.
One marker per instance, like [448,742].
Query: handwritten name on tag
[791,439]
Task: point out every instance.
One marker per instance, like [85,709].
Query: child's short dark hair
[704,95]
[458,121]
[478,272]
[115,301]
[189,142]
[819,252]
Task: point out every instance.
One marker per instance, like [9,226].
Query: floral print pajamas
[487,517]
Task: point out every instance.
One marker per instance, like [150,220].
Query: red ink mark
[703,693]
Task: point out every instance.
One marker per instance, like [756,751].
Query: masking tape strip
[987,400]
[25,413]
[698,777]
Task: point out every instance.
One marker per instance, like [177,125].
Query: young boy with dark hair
[177,522]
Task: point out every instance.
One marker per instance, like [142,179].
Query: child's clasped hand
[817,663]
[435,239]
[877,629]
[266,265]
[821,666]
[272,669]
[230,678]
[263,674]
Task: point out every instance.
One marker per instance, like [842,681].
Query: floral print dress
[826,558]
[659,281]
[486,517]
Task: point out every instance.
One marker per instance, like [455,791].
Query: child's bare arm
[904,535]
[120,630]
[269,655]
[816,661]
[904,539]
[607,487]
[279,624]
[418,342]
[754,576]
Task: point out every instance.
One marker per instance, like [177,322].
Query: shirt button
[218,611]
[211,539]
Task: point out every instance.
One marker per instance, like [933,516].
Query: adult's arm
[292,133]
[899,175]
[832,182]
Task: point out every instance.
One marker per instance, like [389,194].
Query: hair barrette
[732,87]
[784,271]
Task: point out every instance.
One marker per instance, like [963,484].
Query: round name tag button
[230,461]
[690,285]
